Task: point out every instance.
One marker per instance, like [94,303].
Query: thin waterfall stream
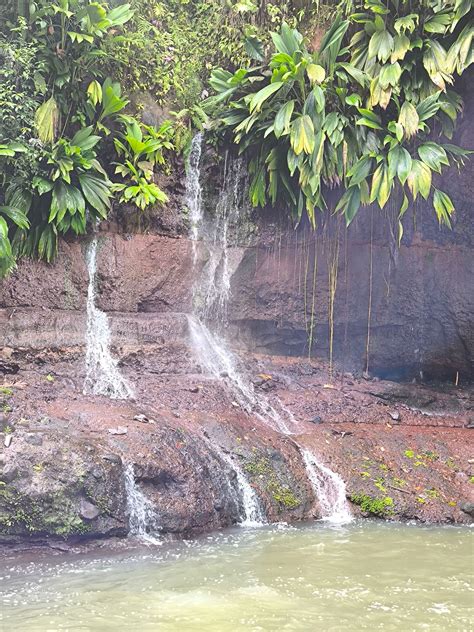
[103,376]
[211,297]
[143,520]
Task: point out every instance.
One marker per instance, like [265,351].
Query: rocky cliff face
[404,312]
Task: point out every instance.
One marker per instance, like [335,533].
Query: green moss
[55,514]
[283,495]
[382,507]
[258,467]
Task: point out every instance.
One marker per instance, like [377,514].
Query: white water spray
[329,489]
[211,296]
[102,374]
[143,520]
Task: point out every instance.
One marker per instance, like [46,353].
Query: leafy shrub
[359,112]
[53,181]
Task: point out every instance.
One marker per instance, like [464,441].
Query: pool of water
[366,576]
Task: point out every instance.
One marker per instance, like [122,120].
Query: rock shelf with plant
[372,111]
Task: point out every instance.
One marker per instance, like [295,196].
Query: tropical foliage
[371,110]
[61,126]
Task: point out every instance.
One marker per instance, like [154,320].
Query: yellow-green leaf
[94,92]
[46,120]
[316,73]
[302,135]
[409,119]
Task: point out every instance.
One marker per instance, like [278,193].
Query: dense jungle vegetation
[357,93]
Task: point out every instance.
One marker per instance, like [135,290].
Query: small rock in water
[395,415]
[316,420]
[88,511]
[235,405]
[8,440]
[120,430]
[176,414]
[194,389]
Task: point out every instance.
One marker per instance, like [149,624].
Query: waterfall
[102,373]
[211,297]
[142,516]
[193,196]
[252,512]
[329,489]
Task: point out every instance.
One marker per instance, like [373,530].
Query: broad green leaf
[17,216]
[283,118]
[262,95]
[334,35]
[443,206]
[349,203]
[46,120]
[359,171]
[380,45]
[368,123]
[399,163]
[433,155]
[319,99]
[302,135]
[390,75]
[428,107]
[401,45]
[419,179]
[254,48]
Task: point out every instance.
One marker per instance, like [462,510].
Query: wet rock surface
[70,484]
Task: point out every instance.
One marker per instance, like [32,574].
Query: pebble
[395,415]
[120,430]
[316,420]
[8,440]
[142,418]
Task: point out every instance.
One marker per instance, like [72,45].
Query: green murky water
[361,577]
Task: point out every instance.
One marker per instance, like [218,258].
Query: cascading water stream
[252,512]
[211,296]
[329,489]
[102,373]
[193,197]
[143,521]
